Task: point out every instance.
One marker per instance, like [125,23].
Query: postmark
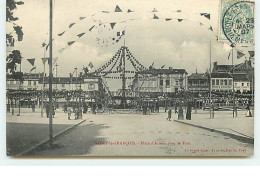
[237,22]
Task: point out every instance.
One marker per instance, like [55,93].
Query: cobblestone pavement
[138,135]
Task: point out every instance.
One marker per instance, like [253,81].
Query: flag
[80,35]
[44,60]
[54,60]
[155,17]
[70,43]
[105,11]
[154,10]
[207,16]
[229,55]
[179,20]
[81,18]
[90,65]
[240,54]
[61,50]
[71,25]
[117,9]
[112,25]
[129,11]
[31,61]
[91,28]
[85,69]
[251,53]
[33,68]
[179,11]
[60,34]
[168,19]
[44,44]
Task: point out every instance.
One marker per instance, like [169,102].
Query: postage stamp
[236,22]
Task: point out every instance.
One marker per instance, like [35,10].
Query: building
[30,81]
[198,82]
[160,80]
[222,82]
[242,74]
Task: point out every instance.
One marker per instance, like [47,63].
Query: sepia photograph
[130,78]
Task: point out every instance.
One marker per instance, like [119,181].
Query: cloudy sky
[171,43]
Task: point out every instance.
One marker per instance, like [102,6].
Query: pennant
[91,28]
[112,25]
[154,10]
[168,19]
[155,17]
[90,65]
[240,54]
[71,25]
[44,44]
[61,33]
[70,43]
[80,35]
[251,53]
[229,55]
[31,61]
[117,9]
[105,11]
[202,14]
[179,20]
[33,68]
[210,28]
[82,18]
[47,46]
[61,50]
[129,11]
[207,16]
[44,60]
[54,60]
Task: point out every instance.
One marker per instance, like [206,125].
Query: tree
[15,57]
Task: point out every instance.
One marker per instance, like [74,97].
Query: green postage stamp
[236,22]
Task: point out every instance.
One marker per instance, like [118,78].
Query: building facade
[160,80]
[198,82]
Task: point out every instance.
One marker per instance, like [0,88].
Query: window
[242,84]
[202,82]
[91,86]
[225,81]
[34,82]
[213,82]
[176,82]
[161,82]
[167,83]
[29,83]
[217,82]
[221,82]
[230,82]
[235,84]
[63,85]
[247,84]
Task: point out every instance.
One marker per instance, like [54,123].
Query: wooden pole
[233,88]
[210,110]
[50,78]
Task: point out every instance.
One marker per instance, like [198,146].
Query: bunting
[61,50]
[82,18]
[112,25]
[80,35]
[60,34]
[91,28]
[31,61]
[154,10]
[129,11]
[71,42]
[44,60]
[210,28]
[155,17]
[168,19]
[71,25]
[240,54]
[207,15]
[117,9]
[179,20]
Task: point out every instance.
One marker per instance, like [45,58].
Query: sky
[174,44]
